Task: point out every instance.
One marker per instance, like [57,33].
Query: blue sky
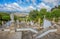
[27,5]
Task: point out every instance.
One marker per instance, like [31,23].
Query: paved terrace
[28,35]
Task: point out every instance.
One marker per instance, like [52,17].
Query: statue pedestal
[12,27]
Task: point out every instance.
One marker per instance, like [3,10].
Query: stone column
[17,21]
[53,20]
[39,21]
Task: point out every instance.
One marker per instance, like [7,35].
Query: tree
[4,16]
[55,14]
[42,12]
[33,14]
[56,7]
[37,16]
[48,16]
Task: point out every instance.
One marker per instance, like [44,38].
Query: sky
[27,5]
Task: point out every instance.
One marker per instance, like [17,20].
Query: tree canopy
[55,13]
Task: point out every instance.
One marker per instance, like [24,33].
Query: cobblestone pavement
[51,36]
[10,35]
[26,35]
[16,35]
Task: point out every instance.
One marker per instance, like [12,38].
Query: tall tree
[55,14]
[56,7]
[33,14]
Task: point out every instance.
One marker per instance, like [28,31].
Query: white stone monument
[46,23]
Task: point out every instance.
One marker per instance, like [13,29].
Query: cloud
[43,5]
[15,7]
[19,1]
[18,5]
[52,2]
[27,9]
[11,7]
[27,0]
[30,8]
[33,2]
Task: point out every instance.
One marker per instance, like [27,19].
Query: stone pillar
[53,20]
[2,22]
[39,21]
[17,21]
[26,19]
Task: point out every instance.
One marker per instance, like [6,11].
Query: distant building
[21,14]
